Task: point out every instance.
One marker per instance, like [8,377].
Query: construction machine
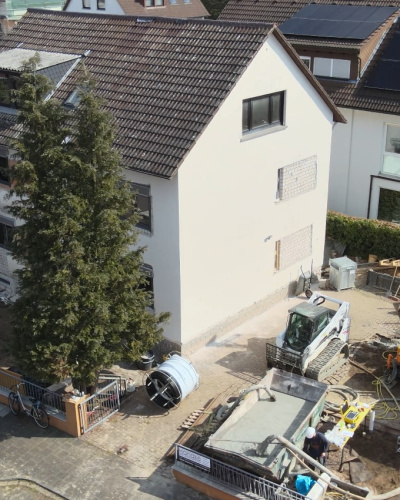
[315,341]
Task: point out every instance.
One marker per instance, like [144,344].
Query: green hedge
[364,236]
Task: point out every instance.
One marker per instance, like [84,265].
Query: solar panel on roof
[386,73]
[337,21]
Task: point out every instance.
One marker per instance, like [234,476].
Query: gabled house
[354,51]
[225,136]
[187,9]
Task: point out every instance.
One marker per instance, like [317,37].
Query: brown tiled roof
[162,79]
[358,96]
[344,94]
[278,11]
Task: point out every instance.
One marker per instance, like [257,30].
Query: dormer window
[73,100]
[331,68]
[154,3]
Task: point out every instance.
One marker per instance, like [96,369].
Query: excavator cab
[305,322]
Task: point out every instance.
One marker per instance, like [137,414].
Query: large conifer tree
[82,301]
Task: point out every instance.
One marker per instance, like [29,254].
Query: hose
[341,390]
[379,379]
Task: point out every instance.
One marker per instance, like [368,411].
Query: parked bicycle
[36,411]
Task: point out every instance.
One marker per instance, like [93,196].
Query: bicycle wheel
[40,417]
[13,403]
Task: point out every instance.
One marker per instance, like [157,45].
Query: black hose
[390,375]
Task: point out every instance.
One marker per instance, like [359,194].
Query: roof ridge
[158,19]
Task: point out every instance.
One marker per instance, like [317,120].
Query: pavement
[39,464]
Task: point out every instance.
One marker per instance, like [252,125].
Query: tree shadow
[250,364]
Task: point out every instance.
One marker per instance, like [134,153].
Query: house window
[6,231]
[86,4]
[332,68]
[391,156]
[143,204]
[154,3]
[4,171]
[307,61]
[5,91]
[101,4]
[389,205]
[262,112]
[148,286]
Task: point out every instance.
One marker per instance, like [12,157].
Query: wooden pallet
[188,422]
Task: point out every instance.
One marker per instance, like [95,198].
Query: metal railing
[50,399]
[100,406]
[244,482]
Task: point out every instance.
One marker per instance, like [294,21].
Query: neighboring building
[11,11]
[187,9]
[225,136]
[354,50]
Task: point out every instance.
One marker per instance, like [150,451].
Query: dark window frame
[86,4]
[101,4]
[6,231]
[143,204]
[250,114]
[154,3]
[4,166]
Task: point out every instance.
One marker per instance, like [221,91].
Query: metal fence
[100,406]
[51,399]
[245,483]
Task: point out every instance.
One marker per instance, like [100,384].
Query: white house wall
[110,7]
[162,249]
[357,154]
[229,219]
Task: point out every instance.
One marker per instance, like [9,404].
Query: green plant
[364,236]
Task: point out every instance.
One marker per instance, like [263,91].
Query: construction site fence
[228,475]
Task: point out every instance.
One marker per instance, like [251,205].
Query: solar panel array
[386,73]
[337,21]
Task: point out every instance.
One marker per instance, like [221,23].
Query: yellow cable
[382,406]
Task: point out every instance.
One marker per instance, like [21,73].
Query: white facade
[217,225]
[92,7]
[363,162]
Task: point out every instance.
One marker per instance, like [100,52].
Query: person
[316,445]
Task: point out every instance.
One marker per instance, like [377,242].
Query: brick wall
[295,247]
[298,178]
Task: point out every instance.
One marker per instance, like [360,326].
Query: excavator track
[335,354]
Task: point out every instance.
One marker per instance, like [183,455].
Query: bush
[364,236]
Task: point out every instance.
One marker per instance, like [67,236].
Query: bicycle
[36,411]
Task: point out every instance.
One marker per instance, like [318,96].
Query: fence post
[72,414]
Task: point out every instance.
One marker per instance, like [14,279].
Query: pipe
[371,421]
[296,451]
